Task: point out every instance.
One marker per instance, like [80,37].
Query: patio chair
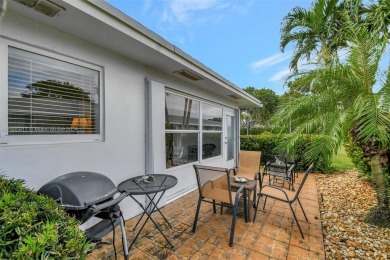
[278,169]
[214,187]
[283,195]
[290,160]
[249,164]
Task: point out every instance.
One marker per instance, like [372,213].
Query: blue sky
[239,39]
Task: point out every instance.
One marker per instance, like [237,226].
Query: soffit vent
[45,7]
[235,96]
[189,75]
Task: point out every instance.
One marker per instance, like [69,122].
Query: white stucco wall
[122,154]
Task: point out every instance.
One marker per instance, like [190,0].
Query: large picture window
[190,124]
[47,96]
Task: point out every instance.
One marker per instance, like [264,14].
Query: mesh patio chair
[280,194]
[249,167]
[278,169]
[214,187]
[290,160]
[249,164]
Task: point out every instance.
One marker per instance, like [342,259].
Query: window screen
[49,96]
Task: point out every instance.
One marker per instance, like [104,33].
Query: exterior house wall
[122,152]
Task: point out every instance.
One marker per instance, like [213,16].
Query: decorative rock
[343,210]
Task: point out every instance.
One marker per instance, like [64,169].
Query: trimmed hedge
[33,226]
[254,130]
[267,142]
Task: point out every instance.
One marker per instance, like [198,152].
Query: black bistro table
[154,187]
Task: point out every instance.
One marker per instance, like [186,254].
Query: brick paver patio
[274,235]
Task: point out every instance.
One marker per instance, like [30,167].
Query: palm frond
[372,119]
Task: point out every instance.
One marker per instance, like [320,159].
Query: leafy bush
[33,226]
[267,142]
[356,154]
[254,130]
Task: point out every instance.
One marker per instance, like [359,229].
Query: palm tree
[378,18]
[345,105]
[312,31]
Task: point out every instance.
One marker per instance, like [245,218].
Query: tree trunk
[379,180]
[3,8]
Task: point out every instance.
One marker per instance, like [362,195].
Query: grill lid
[79,190]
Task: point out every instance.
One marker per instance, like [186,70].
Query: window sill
[48,139]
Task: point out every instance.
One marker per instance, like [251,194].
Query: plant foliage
[33,226]
[268,143]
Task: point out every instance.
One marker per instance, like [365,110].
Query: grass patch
[341,161]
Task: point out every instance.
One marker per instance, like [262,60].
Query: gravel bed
[344,202]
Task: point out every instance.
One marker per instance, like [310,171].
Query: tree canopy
[260,116]
[344,99]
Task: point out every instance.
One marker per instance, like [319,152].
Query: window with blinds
[47,96]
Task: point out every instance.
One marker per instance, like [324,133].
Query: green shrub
[254,130]
[356,154]
[267,142]
[33,226]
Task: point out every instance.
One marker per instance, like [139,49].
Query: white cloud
[194,11]
[270,61]
[182,8]
[280,75]
[147,6]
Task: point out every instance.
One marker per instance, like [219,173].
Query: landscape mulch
[345,199]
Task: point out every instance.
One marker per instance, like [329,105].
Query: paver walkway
[274,235]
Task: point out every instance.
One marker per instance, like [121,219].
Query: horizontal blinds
[49,96]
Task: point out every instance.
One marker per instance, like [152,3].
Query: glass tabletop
[140,185]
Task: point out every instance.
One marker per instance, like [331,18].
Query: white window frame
[6,139]
[200,131]
[210,131]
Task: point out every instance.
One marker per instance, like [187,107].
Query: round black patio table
[141,185]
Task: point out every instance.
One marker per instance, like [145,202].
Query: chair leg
[196,215]
[302,209]
[214,207]
[235,210]
[265,201]
[257,207]
[296,220]
[221,208]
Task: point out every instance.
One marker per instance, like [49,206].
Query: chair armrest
[291,168]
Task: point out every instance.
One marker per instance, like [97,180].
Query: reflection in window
[211,117]
[49,96]
[180,148]
[211,145]
[181,113]
[183,131]
[212,131]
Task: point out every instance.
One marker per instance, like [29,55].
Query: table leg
[246,205]
[155,207]
[143,214]
[149,217]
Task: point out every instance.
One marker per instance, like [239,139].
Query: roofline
[119,15]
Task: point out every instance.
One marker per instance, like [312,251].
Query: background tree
[260,116]
[312,31]
[55,89]
[341,104]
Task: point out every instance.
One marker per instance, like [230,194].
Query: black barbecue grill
[88,194]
